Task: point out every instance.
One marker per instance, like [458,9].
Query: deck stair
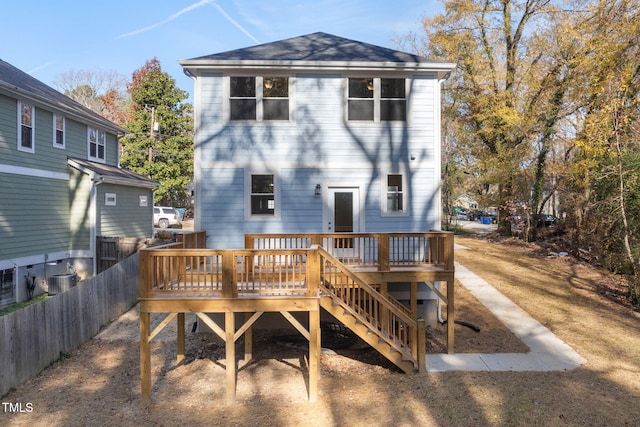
[379,320]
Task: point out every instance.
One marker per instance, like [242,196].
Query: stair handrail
[401,312]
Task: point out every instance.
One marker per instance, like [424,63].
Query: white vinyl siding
[319,147]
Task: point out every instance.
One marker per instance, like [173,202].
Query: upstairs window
[259,98]
[275,98]
[97,145]
[262,195]
[393,101]
[58,131]
[376,99]
[361,102]
[243,100]
[26,117]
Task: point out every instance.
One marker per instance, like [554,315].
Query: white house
[316,133]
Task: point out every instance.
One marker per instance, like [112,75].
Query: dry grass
[98,384]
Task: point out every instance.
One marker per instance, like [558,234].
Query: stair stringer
[368,335]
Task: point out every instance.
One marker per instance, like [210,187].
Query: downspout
[93,221]
[197,208]
[438,160]
[438,165]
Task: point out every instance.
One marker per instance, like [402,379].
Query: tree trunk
[505,199]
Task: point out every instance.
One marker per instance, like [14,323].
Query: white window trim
[110,199]
[31,149]
[377,97]
[383,194]
[248,216]
[64,131]
[259,98]
[96,158]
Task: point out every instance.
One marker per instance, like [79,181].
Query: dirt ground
[99,383]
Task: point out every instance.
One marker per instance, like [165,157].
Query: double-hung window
[262,195]
[376,99]
[97,145]
[275,98]
[395,202]
[393,100]
[394,195]
[58,131]
[361,102]
[259,98]
[242,98]
[26,118]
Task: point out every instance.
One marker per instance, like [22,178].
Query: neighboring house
[466,201]
[60,185]
[316,133]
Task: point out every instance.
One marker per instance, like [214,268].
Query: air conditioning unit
[61,283]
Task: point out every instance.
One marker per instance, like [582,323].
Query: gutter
[442,70]
[101,179]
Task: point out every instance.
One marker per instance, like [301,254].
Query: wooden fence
[37,335]
[112,250]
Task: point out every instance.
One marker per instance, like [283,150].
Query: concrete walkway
[547,352]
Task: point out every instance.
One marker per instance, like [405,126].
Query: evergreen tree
[160,140]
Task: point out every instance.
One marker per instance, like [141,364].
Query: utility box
[427,300]
[61,283]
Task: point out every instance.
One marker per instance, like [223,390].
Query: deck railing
[231,273]
[383,251]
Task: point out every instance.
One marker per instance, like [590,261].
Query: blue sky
[48,38]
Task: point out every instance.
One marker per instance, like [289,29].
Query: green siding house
[60,186]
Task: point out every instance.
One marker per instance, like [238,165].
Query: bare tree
[89,87]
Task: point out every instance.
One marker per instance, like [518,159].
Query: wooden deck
[347,274]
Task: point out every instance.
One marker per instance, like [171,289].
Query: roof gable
[317,50]
[317,47]
[17,83]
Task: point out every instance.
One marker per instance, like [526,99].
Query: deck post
[314,353]
[248,241]
[145,328]
[248,340]
[422,346]
[413,299]
[228,275]
[313,271]
[145,356]
[450,317]
[180,338]
[383,251]
[230,346]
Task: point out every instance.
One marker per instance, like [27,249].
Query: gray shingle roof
[317,47]
[18,83]
[111,174]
